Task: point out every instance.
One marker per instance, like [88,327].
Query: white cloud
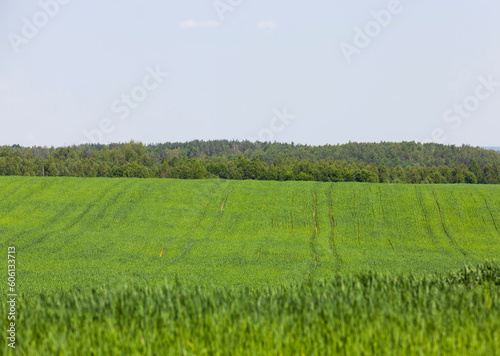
[198,24]
[266,25]
[4,86]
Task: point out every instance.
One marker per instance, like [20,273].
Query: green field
[247,241]
[93,232]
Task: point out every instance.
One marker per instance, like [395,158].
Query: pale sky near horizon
[313,72]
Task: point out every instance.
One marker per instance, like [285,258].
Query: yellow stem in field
[161,252]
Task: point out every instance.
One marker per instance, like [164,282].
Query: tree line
[385,162]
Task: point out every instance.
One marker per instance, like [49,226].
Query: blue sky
[310,72]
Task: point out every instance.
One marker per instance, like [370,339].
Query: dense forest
[385,162]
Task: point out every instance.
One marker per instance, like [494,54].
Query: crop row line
[315,233]
[224,202]
[491,214]
[332,219]
[444,227]
[190,232]
[420,200]
[272,213]
[380,199]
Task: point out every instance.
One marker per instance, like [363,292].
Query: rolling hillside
[72,232]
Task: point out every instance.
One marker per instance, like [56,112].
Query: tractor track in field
[491,214]
[187,236]
[222,206]
[12,183]
[202,215]
[291,221]
[211,198]
[383,215]
[204,210]
[85,212]
[101,211]
[359,242]
[332,220]
[380,200]
[355,213]
[315,232]
[482,217]
[428,227]
[452,240]
[272,213]
[12,192]
[262,221]
[312,271]
[60,214]
[190,246]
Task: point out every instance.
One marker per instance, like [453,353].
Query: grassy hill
[251,268]
[88,233]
